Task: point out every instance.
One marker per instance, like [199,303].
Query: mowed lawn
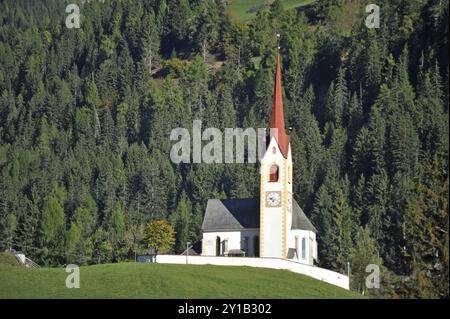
[134,280]
[244,10]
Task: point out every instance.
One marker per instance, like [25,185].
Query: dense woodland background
[86,114]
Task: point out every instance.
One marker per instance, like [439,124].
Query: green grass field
[132,280]
[244,10]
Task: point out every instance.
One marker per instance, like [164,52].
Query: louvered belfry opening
[274,173]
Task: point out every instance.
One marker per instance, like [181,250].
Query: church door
[256,246]
[218,246]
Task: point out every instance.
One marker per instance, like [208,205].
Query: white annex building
[272,225]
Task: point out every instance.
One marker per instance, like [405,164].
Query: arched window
[274,150]
[273,173]
[218,246]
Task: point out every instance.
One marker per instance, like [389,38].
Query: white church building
[272,225]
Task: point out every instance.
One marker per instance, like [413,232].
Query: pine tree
[181,219]
[85,216]
[100,246]
[342,224]
[425,230]
[323,217]
[358,201]
[53,214]
[150,41]
[338,106]
[72,243]
[363,254]
[117,228]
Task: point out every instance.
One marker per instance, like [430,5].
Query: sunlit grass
[244,10]
[134,280]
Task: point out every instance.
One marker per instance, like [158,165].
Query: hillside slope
[8,260]
[244,10]
[130,280]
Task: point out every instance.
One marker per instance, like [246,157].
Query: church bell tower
[276,181]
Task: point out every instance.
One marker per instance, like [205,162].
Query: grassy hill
[8,260]
[133,280]
[244,10]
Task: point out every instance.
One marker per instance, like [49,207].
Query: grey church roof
[299,219]
[237,214]
[229,214]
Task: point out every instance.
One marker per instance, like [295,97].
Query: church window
[304,248]
[245,246]
[274,150]
[273,174]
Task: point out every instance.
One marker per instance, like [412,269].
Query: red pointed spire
[277,128]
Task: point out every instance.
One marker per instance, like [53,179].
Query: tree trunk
[204,48]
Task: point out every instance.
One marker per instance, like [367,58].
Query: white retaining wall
[322,274]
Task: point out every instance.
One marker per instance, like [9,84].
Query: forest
[86,114]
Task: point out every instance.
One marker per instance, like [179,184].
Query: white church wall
[272,221]
[322,274]
[310,245]
[272,229]
[316,247]
[234,241]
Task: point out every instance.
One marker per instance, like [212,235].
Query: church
[273,225]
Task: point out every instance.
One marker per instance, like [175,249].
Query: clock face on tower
[273,199]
